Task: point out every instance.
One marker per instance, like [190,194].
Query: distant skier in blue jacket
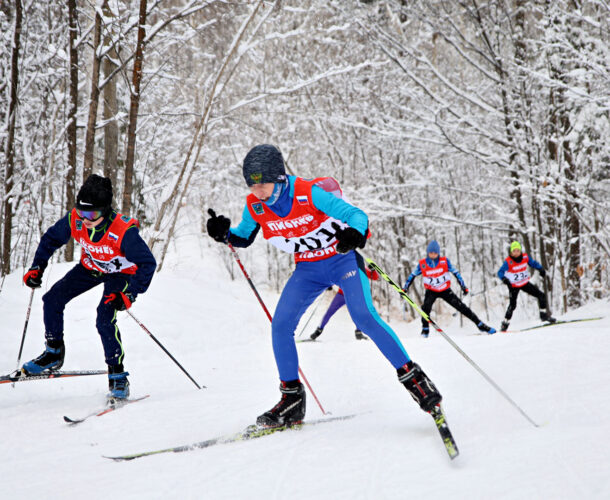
[437,282]
[514,273]
[113,254]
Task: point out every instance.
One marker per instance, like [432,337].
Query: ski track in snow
[218,332]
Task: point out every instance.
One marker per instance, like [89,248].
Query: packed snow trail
[216,328]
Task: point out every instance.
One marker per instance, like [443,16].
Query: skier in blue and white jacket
[309,218]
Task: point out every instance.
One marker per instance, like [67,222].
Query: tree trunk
[133,110]
[10,153]
[111,129]
[71,130]
[93,101]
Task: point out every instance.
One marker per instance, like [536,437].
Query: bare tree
[9,181]
[72,108]
[111,127]
[133,109]
[94,96]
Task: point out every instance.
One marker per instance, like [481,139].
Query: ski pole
[164,349]
[260,300]
[404,295]
[318,300]
[25,329]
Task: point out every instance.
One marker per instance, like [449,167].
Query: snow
[216,329]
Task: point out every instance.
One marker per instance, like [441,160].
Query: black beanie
[264,164]
[95,194]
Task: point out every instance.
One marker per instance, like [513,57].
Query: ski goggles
[89,214]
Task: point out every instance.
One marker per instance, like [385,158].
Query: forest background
[470,122]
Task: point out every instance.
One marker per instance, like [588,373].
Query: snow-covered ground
[217,330]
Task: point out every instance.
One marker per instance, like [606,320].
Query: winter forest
[466,121]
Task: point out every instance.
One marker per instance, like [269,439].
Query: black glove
[33,278]
[465,289]
[218,226]
[348,238]
[542,272]
[506,281]
[120,300]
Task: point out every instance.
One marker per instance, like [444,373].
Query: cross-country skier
[302,217]
[437,282]
[113,254]
[337,303]
[514,273]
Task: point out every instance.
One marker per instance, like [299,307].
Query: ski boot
[546,316]
[290,410]
[420,387]
[504,326]
[118,383]
[360,335]
[425,331]
[484,328]
[316,334]
[51,359]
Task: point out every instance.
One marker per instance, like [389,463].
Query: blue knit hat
[433,247]
[264,164]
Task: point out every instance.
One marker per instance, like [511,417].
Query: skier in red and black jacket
[113,254]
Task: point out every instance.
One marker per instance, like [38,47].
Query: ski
[299,341]
[441,424]
[113,404]
[560,322]
[20,376]
[251,432]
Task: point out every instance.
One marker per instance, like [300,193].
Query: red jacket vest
[518,272]
[306,231]
[104,256]
[436,278]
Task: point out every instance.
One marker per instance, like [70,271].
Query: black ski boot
[360,335]
[316,334]
[504,325]
[117,382]
[51,359]
[291,408]
[425,331]
[419,386]
[546,316]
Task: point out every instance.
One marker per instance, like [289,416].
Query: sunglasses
[89,214]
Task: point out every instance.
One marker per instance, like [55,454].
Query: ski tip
[119,459]
[72,422]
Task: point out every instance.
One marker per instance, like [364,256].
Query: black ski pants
[452,299]
[529,288]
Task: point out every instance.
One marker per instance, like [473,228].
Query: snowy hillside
[217,330]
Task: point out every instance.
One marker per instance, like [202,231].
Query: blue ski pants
[309,280]
[77,281]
